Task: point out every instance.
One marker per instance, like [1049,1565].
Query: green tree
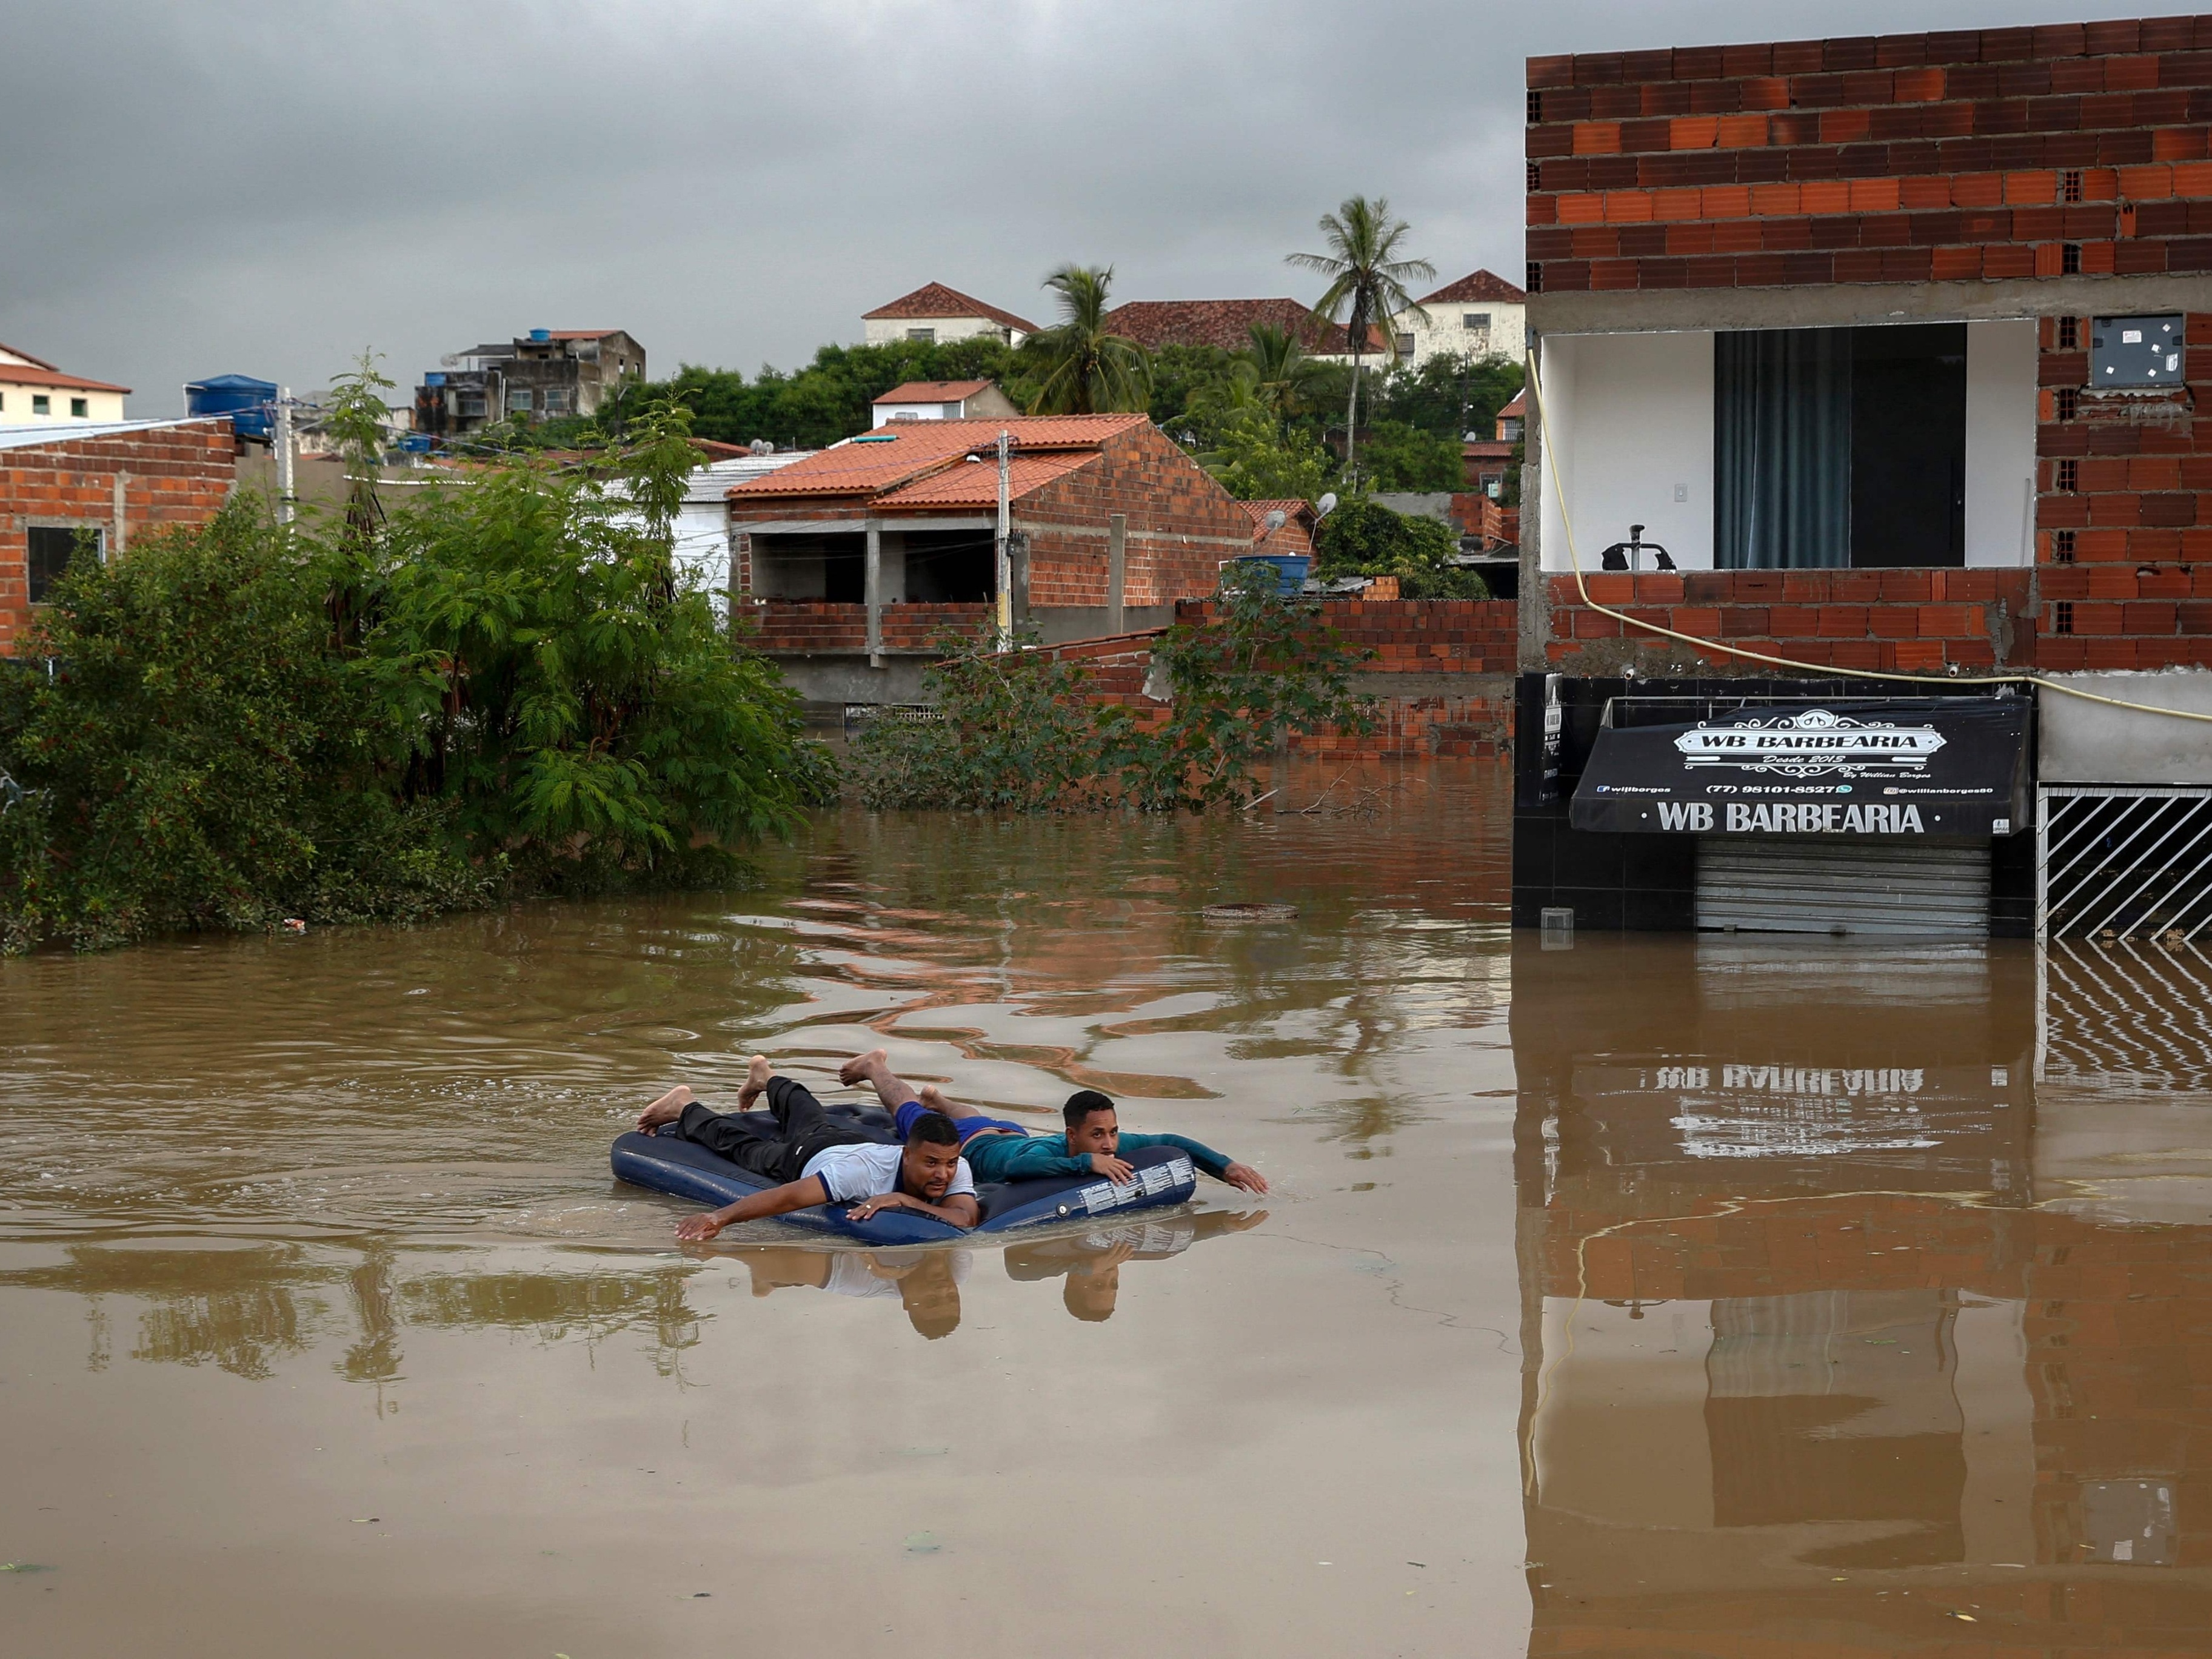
[1081,367]
[1367,284]
[1449,395]
[356,418]
[1257,457]
[1403,457]
[1288,382]
[1364,538]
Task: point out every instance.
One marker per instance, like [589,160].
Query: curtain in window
[1782,449]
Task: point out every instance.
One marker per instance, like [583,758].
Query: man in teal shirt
[998,1150]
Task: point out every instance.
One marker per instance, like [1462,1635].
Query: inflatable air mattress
[1163,1177]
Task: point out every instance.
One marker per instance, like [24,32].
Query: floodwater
[1658,1296]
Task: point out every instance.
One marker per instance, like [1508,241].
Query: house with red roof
[944,401]
[849,562]
[934,314]
[32,392]
[1226,324]
[1481,316]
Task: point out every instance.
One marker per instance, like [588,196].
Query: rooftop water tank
[541,334]
[251,404]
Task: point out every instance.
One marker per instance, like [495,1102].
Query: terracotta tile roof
[1477,285]
[8,350]
[1258,510]
[1226,324]
[1486,450]
[18,374]
[898,454]
[936,299]
[1518,406]
[976,483]
[932,391]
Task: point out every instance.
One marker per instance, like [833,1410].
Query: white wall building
[934,314]
[33,392]
[1481,316]
[944,401]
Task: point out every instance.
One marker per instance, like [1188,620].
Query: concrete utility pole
[1003,573]
[287,500]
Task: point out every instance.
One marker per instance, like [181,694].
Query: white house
[33,392]
[934,314]
[944,401]
[1481,316]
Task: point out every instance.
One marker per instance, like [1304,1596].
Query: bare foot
[757,1072]
[667,1109]
[933,1099]
[862,1068]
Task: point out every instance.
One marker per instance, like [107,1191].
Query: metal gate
[2118,861]
[1919,890]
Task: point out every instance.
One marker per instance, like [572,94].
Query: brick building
[1872,354]
[850,560]
[117,482]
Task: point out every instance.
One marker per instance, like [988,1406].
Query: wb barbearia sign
[1932,767]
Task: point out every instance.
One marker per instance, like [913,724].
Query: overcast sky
[193,187]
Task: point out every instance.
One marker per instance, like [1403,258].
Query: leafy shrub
[506,690]
[1017,732]
[1364,538]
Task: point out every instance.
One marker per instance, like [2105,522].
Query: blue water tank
[541,334]
[251,404]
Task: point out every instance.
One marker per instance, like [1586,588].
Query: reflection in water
[1824,1345]
[1091,1261]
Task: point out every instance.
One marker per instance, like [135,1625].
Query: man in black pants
[816,1160]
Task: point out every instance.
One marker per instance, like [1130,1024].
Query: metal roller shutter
[1919,890]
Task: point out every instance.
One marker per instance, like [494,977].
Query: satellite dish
[1326,505]
[1275,520]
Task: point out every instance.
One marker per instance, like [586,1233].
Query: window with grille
[2070,333]
[2069,184]
[2069,403]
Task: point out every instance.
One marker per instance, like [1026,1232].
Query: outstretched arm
[959,1208]
[1220,1165]
[776,1201]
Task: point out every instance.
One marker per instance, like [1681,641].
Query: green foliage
[1401,457]
[829,399]
[1449,395]
[1016,732]
[1257,457]
[1011,734]
[201,758]
[1181,374]
[356,418]
[506,689]
[565,692]
[1367,284]
[1363,537]
[1080,365]
[1266,668]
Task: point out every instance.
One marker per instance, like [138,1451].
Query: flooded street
[1662,1295]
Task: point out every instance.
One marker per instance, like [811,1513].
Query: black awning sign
[1921,766]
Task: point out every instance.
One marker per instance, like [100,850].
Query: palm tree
[1367,280]
[1085,368]
[1282,374]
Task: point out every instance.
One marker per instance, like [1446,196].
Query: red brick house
[118,481]
[1900,346]
[849,561]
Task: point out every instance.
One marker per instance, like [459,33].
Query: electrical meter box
[2135,352]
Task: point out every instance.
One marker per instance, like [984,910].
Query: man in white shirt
[816,1160]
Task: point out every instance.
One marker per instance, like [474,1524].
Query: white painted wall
[1446,331]
[17,407]
[1632,427]
[881,330]
[2000,443]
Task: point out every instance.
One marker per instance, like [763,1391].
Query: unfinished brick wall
[1946,156]
[1906,621]
[1181,525]
[170,476]
[812,626]
[2123,536]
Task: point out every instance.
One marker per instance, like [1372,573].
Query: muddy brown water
[1712,1295]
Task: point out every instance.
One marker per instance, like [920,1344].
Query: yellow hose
[1825,670]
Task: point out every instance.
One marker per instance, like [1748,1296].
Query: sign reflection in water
[1828,1338]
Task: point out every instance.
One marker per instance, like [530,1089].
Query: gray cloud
[224,185]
